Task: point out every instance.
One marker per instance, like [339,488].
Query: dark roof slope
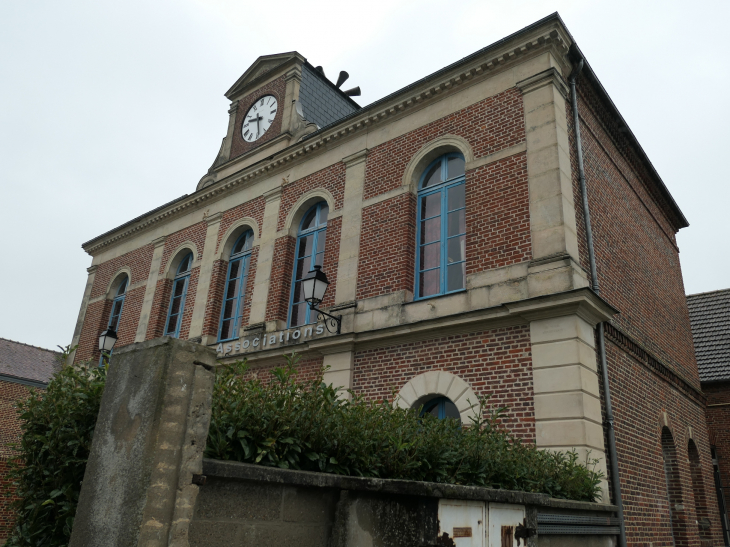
[709,313]
[26,362]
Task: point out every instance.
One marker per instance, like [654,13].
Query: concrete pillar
[266,256]
[82,312]
[567,398]
[204,278]
[351,226]
[552,211]
[149,292]
[149,439]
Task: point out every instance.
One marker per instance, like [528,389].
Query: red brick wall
[636,251]
[387,247]
[640,398]
[718,422]
[490,125]
[495,362]
[277,305]
[10,431]
[331,178]
[195,233]
[497,215]
[277,88]
[307,368]
[160,306]
[252,209]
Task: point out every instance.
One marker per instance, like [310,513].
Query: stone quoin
[448,217]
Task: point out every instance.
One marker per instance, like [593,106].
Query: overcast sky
[109,109]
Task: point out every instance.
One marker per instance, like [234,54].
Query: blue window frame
[309,251]
[441,407]
[441,231]
[177,298]
[116,313]
[235,292]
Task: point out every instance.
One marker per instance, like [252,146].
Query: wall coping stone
[244,471]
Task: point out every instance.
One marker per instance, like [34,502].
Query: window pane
[227,329]
[298,294]
[235,268]
[232,289]
[123,287]
[321,237]
[185,264]
[456,197]
[430,256]
[114,322]
[305,246]
[303,267]
[171,325]
[457,222]
[431,230]
[244,243]
[178,289]
[229,308]
[324,211]
[433,176]
[450,410]
[319,259]
[455,167]
[309,219]
[175,308]
[456,249]
[455,277]
[117,307]
[298,315]
[429,283]
[431,205]
[432,408]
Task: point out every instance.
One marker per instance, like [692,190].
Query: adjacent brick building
[448,219]
[710,316]
[22,368]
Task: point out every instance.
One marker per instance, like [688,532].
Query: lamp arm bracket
[332,321]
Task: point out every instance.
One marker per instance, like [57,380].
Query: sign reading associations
[270,340]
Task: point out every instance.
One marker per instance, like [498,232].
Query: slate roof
[25,362]
[709,313]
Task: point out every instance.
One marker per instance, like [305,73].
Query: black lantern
[314,285]
[107,339]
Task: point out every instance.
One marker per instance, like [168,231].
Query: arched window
[674,488]
[698,489]
[232,311]
[116,313]
[441,252]
[177,299]
[309,251]
[441,407]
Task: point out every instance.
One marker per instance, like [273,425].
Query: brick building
[449,219]
[709,313]
[22,368]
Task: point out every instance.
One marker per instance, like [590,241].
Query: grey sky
[109,109]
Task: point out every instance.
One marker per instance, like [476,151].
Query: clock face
[259,118]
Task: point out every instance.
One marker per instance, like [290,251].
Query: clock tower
[277,101]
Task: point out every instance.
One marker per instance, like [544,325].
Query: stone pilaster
[82,312]
[206,271]
[266,256]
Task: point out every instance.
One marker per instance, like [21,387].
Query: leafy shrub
[58,425]
[297,424]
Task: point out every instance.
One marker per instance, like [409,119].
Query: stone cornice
[547,77]
[551,35]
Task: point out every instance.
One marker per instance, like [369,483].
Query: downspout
[615,481]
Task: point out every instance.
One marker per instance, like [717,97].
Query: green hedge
[54,447]
[296,424]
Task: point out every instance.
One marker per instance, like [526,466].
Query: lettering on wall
[269,340]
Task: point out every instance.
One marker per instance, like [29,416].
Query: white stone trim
[227,241]
[439,383]
[429,152]
[305,201]
[113,284]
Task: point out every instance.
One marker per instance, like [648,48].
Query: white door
[464,522]
[503,520]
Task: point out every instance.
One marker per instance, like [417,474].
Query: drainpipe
[615,481]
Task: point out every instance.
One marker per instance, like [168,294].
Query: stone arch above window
[304,204]
[429,152]
[234,232]
[177,255]
[124,274]
[439,383]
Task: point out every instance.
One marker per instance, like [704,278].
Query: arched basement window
[309,251]
[177,298]
[698,489]
[441,408]
[674,488]
[441,250]
[235,291]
